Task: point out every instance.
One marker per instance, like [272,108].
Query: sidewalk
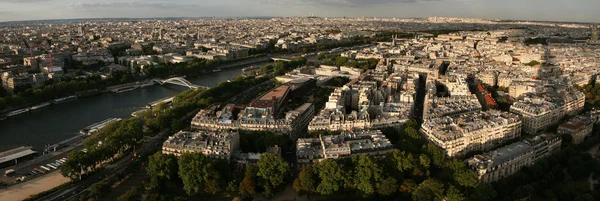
[24,190]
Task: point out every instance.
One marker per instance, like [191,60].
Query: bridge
[181,81]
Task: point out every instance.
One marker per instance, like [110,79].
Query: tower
[594,32]
[160,33]
[394,40]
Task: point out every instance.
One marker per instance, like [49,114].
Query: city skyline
[538,10]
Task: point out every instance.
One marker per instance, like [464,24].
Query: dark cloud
[340,2]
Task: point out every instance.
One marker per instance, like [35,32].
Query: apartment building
[311,150]
[503,162]
[213,144]
[541,110]
[578,127]
[478,131]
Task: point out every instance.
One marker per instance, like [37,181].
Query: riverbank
[55,123]
[24,190]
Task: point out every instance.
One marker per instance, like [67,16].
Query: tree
[306,181]
[367,174]
[273,170]
[387,187]
[100,189]
[483,192]
[408,186]
[132,194]
[331,175]
[197,172]
[402,160]
[248,184]
[429,190]
[161,167]
[466,178]
[453,194]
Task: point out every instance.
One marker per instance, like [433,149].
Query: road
[109,171]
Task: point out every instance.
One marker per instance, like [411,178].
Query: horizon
[552,11]
[270,17]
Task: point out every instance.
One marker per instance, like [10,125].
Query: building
[478,131]
[272,101]
[14,156]
[503,162]
[312,150]
[254,119]
[578,127]
[594,40]
[541,110]
[213,144]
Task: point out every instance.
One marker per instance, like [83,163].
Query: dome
[482,166]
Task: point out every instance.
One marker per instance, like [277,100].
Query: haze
[543,10]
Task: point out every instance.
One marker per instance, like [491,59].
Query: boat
[250,68]
[91,129]
[147,84]
[135,114]
[88,93]
[216,70]
[64,100]
[2,117]
[35,107]
[166,100]
[125,89]
[17,112]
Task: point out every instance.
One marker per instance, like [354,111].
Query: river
[57,123]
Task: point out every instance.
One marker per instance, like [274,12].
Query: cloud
[23,1]
[129,4]
[351,3]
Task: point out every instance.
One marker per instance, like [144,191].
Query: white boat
[216,70]
[65,99]
[17,112]
[97,126]
[40,106]
[147,84]
[126,89]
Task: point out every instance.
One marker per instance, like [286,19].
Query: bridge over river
[181,81]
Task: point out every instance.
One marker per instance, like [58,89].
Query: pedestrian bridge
[181,81]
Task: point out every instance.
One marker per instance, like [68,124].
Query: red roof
[480,87]
[490,101]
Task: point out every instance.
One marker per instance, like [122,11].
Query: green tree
[132,194]
[402,160]
[429,190]
[161,168]
[483,192]
[331,175]
[100,189]
[197,172]
[306,181]
[387,187]
[453,194]
[273,170]
[466,178]
[367,174]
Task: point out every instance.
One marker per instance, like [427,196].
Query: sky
[546,10]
